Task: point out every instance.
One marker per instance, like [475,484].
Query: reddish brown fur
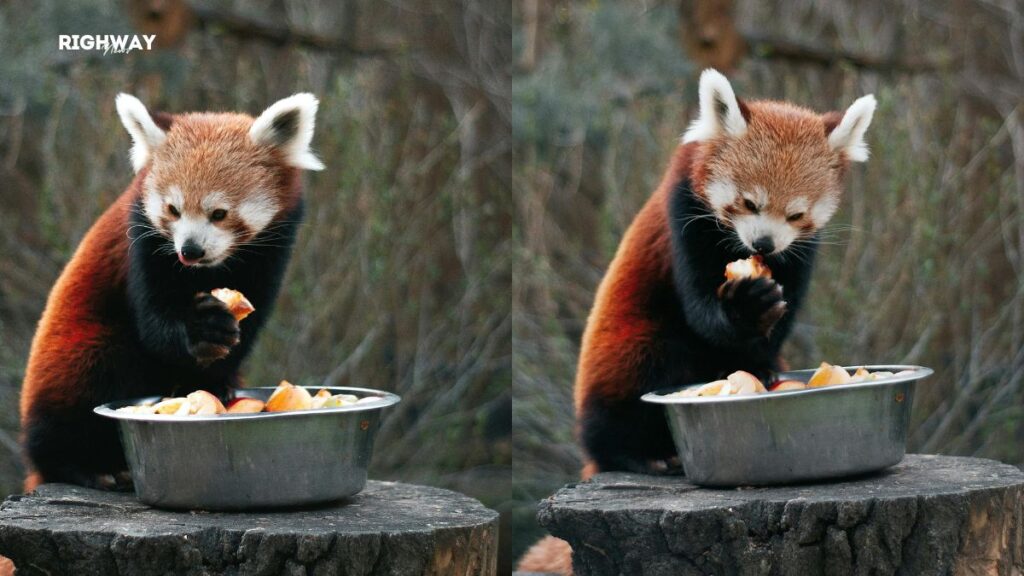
[206,152]
[72,330]
[203,152]
[785,150]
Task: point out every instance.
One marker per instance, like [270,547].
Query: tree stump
[929,515]
[389,528]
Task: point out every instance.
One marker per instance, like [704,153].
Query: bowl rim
[920,372]
[109,410]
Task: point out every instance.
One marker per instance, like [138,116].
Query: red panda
[216,202]
[757,177]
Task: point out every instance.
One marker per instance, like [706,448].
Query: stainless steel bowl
[242,461]
[799,435]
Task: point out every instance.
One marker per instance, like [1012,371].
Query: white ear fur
[848,136]
[288,125]
[719,111]
[146,135]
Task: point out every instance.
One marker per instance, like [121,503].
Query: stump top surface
[387,507]
[917,475]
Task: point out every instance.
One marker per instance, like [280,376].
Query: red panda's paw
[212,329]
[753,305]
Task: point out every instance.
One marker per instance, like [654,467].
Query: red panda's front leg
[193,335]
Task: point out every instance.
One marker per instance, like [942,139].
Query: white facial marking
[175,197]
[257,211]
[213,201]
[823,210]
[797,205]
[720,193]
[751,227]
[152,203]
[759,196]
[216,242]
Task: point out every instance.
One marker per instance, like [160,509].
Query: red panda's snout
[772,171]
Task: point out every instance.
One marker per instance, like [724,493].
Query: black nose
[764,245]
[192,251]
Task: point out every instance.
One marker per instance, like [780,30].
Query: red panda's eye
[795,217]
[749,205]
[174,211]
[218,215]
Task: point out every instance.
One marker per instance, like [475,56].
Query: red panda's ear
[146,135]
[163,120]
[847,135]
[288,125]
[721,114]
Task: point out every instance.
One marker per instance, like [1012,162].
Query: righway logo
[108,43]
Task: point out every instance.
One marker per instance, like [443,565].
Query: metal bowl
[793,436]
[243,461]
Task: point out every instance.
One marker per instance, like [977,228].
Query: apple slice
[783,385]
[839,376]
[245,406]
[237,303]
[753,267]
[289,397]
[745,383]
[205,404]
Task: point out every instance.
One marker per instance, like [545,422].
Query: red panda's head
[772,171]
[215,181]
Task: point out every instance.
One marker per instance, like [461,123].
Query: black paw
[212,329]
[753,305]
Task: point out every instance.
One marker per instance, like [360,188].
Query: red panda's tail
[549,555]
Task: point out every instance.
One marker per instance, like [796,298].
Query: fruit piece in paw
[288,396]
[753,267]
[205,404]
[237,303]
[245,406]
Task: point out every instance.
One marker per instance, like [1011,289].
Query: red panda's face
[216,181]
[772,171]
[209,189]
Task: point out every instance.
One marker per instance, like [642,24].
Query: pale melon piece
[173,407]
